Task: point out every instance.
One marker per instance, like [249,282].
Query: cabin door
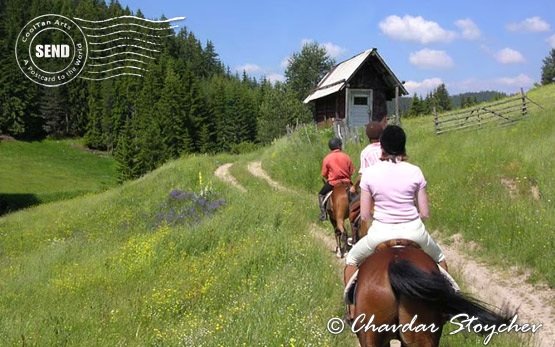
[360,107]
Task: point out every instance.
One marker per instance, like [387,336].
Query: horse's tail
[435,290]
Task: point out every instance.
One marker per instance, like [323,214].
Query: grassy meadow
[50,170]
[179,258]
[117,268]
[493,186]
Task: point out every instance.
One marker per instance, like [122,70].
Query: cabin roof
[337,78]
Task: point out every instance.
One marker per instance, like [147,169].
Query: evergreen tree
[416,106]
[94,135]
[127,152]
[54,111]
[172,111]
[548,68]
[442,99]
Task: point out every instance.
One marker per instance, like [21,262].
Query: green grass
[46,171]
[96,271]
[101,269]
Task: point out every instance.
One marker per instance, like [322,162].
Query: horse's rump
[397,285]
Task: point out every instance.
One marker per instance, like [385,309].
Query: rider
[372,153]
[393,185]
[337,167]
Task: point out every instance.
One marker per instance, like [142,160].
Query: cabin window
[360,100]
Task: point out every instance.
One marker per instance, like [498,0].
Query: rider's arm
[365,205]
[422,204]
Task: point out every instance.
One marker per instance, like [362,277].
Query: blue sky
[468,45]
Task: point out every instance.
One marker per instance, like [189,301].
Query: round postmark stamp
[51,50]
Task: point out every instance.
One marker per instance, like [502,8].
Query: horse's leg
[371,339]
[340,232]
[418,313]
[376,301]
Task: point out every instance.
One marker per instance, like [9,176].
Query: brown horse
[397,286]
[359,227]
[338,210]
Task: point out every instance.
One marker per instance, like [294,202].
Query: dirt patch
[511,186]
[223,173]
[535,191]
[255,168]
[508,288]
[6,138]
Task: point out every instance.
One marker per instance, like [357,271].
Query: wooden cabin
[356,91]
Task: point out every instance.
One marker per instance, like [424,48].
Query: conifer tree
[548,68]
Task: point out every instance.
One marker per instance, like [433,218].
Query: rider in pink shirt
[393,185]
[371,154]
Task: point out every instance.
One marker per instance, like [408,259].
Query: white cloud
[422,87]
[532,24]
[409,28]
[551,41]
[431,59]
[275,77]
[503,84]
[520,81]
[285,62]
[333,50]
[469,29]
[509,56]
[249,68]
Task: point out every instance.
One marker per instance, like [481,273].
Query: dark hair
[335,143]
[374,130]
[393,141]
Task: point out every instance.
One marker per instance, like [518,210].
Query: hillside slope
[174,258]
[50,170]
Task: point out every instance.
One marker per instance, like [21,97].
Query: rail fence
[504,112]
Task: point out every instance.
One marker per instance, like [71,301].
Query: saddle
[350,288]
[396,243]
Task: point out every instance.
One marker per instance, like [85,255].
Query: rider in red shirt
[337,167]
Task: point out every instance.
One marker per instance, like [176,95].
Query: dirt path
[223,173]
[535,303]
[255,168]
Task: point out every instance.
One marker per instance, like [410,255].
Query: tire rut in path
[222,172]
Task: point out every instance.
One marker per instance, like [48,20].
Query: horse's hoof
[338,254]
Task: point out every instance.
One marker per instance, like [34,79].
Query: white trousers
[381,232]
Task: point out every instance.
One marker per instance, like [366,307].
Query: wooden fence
[500,113]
